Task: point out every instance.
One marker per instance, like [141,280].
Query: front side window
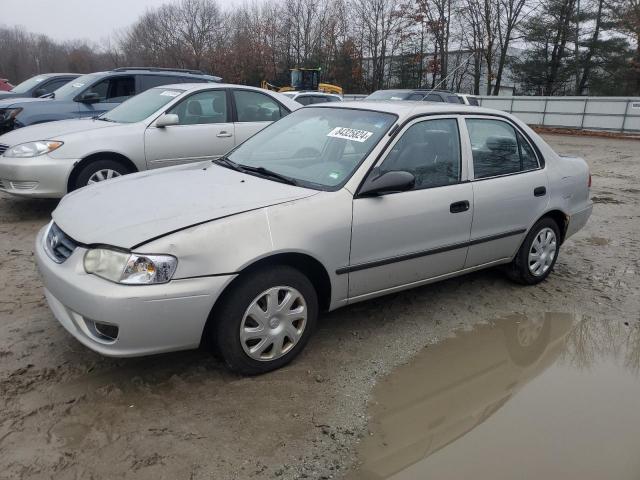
[256,107]
[318,147]
[113,90]
[141,106]
[204,107]
[430,150]
[54,85]
[498,149]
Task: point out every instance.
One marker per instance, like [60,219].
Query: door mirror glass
[389,182]
[167,120]
[89,97]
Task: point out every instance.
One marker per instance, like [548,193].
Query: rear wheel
[99,171]
[537,255]
[265,320]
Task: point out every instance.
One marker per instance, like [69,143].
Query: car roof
[408,108]
[141,71]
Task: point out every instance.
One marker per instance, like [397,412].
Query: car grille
[3,148]
[59,245]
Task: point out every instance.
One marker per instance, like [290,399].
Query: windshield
[27,85]
[389,95]
[317,147]
[141,106]
[74,87]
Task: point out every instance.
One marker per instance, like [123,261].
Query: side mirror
[90,97]
[39,92]
[389,182]
[167,120]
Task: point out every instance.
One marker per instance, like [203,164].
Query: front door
[204,131]
[407,237]
[509,189]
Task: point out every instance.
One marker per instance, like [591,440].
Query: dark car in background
[417,94]
[39,85]
[91,95]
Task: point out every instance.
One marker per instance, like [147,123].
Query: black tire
[85,173]
[518,270]
[228,316]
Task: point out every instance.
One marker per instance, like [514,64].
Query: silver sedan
[330,205]
[164,126]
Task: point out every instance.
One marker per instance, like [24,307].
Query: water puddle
[552,397]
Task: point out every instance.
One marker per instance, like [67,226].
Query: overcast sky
[78,19]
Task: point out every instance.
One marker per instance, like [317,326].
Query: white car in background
[469,99]
[164,126]
[310,98]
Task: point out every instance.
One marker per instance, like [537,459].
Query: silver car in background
[331,205]
[311,98]
[167,125]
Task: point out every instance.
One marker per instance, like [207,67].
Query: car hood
[52,130]
[4,95]
[134,209]
[19,101]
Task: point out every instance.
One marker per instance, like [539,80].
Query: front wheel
[537,255]
[265,320]
[99,171]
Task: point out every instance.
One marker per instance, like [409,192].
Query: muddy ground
[67,413]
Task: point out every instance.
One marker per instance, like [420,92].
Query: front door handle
[223,134]
[540,191]
[458,207]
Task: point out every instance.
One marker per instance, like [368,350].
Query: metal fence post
[584,112]
[624,118]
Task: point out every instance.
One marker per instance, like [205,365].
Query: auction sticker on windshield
[350,134]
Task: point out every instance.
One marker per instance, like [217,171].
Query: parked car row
[270,212]
[424,95]
[89,95]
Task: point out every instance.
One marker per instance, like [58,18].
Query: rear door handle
[540,191]
[458,207]
[223,134]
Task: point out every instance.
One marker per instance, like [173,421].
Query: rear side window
[416,96]
[498,149]
[473,101]
[150,81]
[454,99]
[303,99]
[256,107]
[432,97]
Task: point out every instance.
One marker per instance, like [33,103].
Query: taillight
[589,185]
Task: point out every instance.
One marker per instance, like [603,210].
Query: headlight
[130,268]
[32,149]
[8,114]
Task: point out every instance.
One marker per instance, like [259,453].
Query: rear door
[204,131]
[253,112]
[509,188]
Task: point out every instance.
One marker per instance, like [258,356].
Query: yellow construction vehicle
[307,79]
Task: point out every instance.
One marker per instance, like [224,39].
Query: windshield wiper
[265,172]
[225,162]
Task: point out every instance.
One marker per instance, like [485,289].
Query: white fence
[619,114]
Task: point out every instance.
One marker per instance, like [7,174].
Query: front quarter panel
[318,226]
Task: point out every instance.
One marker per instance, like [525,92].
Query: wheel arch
[307,264]
[118,157]
[561,219]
